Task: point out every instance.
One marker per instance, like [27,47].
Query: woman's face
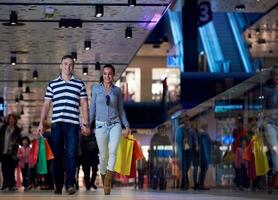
[11,121]
[108,75]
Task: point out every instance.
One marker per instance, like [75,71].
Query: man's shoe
[11,189]
[4,188]
[71,190]
[58,191]
[203,188]
[94,186]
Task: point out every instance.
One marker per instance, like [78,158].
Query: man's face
[67,67]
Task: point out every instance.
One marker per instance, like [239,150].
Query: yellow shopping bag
[124,156]
[261,162]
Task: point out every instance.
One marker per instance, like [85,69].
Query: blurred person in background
[10,138]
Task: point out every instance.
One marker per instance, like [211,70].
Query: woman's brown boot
[107,182]
[102,178]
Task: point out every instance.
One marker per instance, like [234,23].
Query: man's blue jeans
[64,138]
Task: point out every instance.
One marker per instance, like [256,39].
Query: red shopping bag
[137,155]
[33,157]
[137,151]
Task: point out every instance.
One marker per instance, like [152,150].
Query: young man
[66,93]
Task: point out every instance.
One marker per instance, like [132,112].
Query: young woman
[107,109]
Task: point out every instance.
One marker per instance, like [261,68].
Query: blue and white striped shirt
[65,97]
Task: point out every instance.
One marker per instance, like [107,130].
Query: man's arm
[85,116]
[44,113]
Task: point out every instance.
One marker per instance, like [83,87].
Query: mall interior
[198,80]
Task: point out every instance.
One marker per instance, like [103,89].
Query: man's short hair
[66,56]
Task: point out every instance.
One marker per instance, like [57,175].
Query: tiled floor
[131,194]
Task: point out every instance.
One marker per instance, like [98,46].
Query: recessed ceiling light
[240,7]
[70,23]
[85,71]
[99,10]
[13,60]
[132,3]
[13,18]
[20,83]
[87,45]
[27,89]
[74,56]
[97,67]
[128,32]
[35,74]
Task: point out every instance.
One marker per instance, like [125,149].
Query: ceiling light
[70,23]
[27,89]
[21,98]
[13,60]
[257,31]
[85,71]
[87,45]
[13,18]
[99,10]
[74,56]
[132,3]
[128,32]
[97,67]
[240,7]
[20,83]
[35,74]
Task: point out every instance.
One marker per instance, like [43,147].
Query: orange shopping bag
[49,153]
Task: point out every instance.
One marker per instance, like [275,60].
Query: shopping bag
[132,173]
[137,151]
[124,156]
[228,157]
[261,162]
[33,157]
[248,152]
[137,155]
[49,153]
[41,163]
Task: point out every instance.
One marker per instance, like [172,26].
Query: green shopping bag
[42,163]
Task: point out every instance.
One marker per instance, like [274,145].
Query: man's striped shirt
[65,97]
